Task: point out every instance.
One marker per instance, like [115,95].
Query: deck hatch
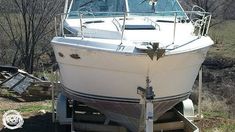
[97,21]
[139,27]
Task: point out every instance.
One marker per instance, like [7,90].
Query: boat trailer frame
[179,118]
[83,118]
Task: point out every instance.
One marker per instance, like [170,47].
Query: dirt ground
[34,121]
[37,121]
[215,124]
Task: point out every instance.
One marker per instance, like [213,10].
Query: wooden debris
[23,83]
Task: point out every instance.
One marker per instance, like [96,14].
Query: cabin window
[169,5]
[163,7]
[96,7]
[140,6]
[91,8]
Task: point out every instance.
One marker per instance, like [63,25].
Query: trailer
[82,118]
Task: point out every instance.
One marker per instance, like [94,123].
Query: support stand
[148,96]
[200,94]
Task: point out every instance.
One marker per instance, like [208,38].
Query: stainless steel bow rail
[198,17]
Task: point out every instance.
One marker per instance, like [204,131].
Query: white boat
[108,48]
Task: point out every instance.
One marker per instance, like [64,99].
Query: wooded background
[26,28]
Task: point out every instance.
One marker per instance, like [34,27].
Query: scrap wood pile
[23,84]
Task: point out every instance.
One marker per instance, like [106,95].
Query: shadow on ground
[40,123]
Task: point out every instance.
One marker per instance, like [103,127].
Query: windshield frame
[127,10]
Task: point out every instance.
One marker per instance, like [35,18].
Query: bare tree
[218,8]
[230,11]
[4,50]
[28,25]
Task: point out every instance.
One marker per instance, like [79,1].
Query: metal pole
[147,95]
[62,24]
[149,115]
[127,6]
[200,93]
[53,98]
[204,21]
[65,6]
[56,27]
[174,28]
[123,27]
[208,25]
[81,25]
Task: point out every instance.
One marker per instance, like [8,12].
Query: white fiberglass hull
[118,75]
[108,81]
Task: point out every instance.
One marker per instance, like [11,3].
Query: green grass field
[224,37]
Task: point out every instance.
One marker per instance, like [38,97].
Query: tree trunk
[15,57]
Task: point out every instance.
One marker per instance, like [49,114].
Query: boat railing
[199,19]
[117,23]
[156,25]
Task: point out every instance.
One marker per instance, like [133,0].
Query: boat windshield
[161,7]
[93,6]
[165,7]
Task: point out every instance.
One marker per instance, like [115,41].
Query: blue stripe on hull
[124,111]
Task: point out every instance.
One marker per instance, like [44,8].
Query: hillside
[218,105]
[223,35]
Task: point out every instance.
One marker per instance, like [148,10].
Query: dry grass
[215,114]
[216,124]
[27,109]
[223,36]
[214,106]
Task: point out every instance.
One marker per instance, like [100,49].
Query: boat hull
[108,81]
[127,113]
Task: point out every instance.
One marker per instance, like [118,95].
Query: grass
[223,127]
[223,36]
[208,114]
[32,108]
[228,127]
[5,93]
[215,113]
[47,74]
[215,108]
[216,118]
